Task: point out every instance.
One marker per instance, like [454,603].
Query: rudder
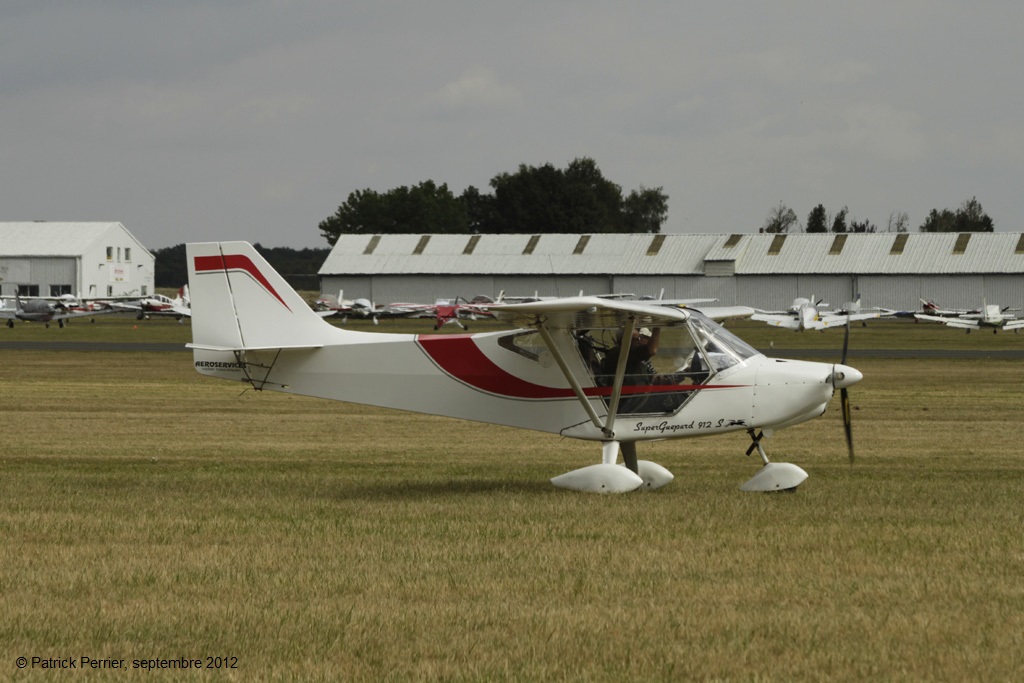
[240,302]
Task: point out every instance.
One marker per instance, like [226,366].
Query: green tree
[479,209]
[863,226]
[817,219]
[645,210]
[970,217]
[545,199]
[534,199]
[423,208]
[839,222]
[170,268]
[780,219]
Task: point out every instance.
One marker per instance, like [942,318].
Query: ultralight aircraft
[566,370]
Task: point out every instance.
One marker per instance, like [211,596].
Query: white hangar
[767,271]
[87,259]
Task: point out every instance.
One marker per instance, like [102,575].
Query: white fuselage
[477,377]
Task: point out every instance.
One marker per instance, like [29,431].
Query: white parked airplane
[554,374]
[157,304]
[806,314]
[988,316]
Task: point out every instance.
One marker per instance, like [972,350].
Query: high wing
[959,323]
[777,320]
[586,312]
[82,314]
[827,321]
[718,313]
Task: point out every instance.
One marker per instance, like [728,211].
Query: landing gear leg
[757,445]
[628,449]
[774,476]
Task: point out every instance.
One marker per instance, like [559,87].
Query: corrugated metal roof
[53,238]
[618,254]
[873,253]
[510,254]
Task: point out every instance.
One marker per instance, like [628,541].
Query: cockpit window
[663,367]
[722,348]
[666,368]
[528,344]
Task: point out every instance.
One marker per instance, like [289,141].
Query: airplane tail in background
[239,302]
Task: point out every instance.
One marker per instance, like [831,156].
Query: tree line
[969,217]
[535,200]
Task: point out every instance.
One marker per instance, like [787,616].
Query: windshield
[722,348]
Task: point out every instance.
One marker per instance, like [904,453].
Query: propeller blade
[846,340]
[844,397]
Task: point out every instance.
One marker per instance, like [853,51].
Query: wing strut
[546,336]
[620,374]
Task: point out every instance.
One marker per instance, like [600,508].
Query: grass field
[148,512]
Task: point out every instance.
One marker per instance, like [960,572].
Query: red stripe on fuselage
[459,357]
[206,264]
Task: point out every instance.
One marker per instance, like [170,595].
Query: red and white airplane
[157,304]
[566,370]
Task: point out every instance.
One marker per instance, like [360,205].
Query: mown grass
[148,512]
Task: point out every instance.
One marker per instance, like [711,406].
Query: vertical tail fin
[240,302]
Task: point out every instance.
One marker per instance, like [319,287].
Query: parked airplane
[159,304]
[448,311]
[928,307]
[988,316]
[806,314]
[444,311]
[551,375]
[41,310]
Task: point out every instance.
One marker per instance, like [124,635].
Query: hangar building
[87,259]
[892,270]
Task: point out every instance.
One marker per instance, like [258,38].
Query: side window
[663,369]
[528,344]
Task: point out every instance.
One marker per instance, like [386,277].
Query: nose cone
[844,376]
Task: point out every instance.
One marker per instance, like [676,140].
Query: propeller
[844,395]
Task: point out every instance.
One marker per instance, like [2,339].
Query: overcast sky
[254,120]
